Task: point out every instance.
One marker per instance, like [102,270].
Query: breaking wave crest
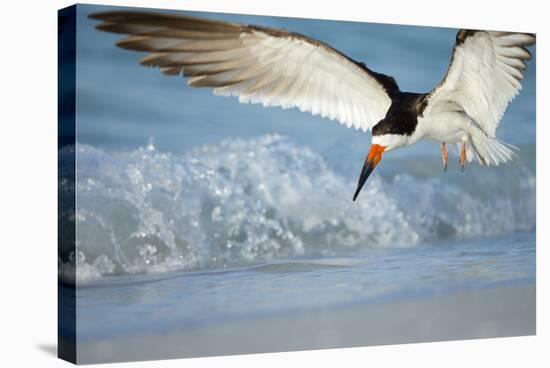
[248,201]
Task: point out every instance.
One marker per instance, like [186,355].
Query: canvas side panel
[66,335]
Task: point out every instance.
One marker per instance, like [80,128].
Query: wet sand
[488,313]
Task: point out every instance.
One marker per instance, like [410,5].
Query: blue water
[195,209]
[174,301]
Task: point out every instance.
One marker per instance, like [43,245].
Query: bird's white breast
[448,127]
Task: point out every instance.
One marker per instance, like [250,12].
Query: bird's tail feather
[490,151]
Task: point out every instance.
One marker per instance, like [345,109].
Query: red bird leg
[462,156]
[444,156]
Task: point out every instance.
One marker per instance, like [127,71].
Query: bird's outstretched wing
[484,75]
[258,64]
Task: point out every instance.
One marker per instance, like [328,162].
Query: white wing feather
[484,76]
[258,65]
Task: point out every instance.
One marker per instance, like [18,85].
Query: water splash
[248,201]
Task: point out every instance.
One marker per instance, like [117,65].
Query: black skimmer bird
[276,67]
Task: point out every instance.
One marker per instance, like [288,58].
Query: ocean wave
[249,201]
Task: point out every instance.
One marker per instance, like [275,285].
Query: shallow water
[130,305]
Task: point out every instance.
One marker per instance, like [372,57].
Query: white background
[28,187]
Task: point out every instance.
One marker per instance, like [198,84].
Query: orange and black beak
[373,158]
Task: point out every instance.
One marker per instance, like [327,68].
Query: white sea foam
[248,201]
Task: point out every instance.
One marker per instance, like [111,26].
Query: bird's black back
[402,116]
